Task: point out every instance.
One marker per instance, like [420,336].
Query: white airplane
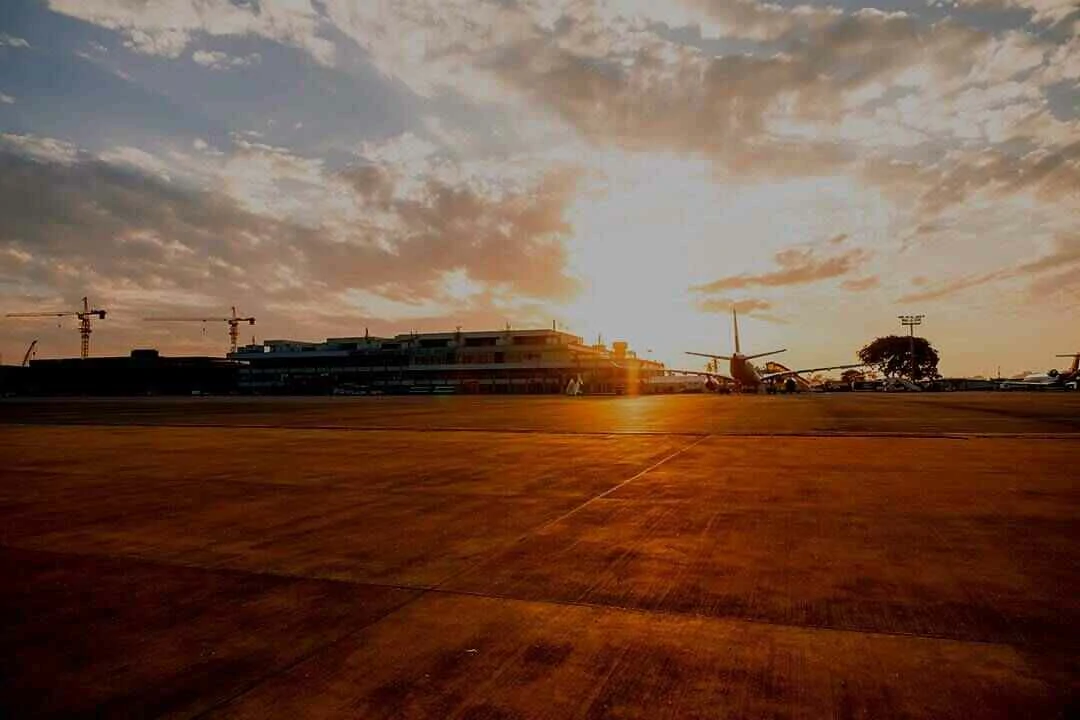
[745,375]
[1051,379]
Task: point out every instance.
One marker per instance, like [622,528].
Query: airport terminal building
[497,361]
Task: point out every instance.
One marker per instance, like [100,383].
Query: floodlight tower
[910,321]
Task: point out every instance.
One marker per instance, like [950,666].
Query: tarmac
[849,556]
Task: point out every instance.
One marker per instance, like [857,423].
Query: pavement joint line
[816,434]
[541,528]
[487,557]
[425,590]
[610,490]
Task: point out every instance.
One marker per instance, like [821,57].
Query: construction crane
[84,317]
[234,324]
[29,354]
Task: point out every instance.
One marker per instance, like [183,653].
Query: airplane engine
[1052,373]
[711,385]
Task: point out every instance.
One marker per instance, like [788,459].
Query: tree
[892,356]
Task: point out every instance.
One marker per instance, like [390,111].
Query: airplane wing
[702,373]
[786,373]
[708,355]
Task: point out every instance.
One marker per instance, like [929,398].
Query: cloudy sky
[626,167]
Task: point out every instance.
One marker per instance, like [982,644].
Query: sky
[631,169]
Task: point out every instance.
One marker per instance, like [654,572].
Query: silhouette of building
[495,361]
[143,372]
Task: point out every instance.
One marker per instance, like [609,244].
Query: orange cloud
[1064,257]
[861,284]
[752,307]
[797,266]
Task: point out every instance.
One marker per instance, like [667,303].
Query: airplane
[714,381]
[1051,380]
[745,375]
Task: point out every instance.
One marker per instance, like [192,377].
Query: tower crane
[233,321]
[29,354]
[84,317]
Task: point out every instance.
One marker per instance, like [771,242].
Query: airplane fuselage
[743,372]
[1047,381]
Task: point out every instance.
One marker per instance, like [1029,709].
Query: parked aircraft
[714,381]
[745,375]
[1051,380]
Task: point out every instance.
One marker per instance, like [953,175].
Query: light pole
[910,321]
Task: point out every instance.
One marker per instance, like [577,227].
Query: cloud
[841,86]
[827,88]
[1064,64]
[1052,271]
[953,287]
[13,42]
[166,27]
[6,99]
[967,199]
[861,284]
[1052,175]
[115,228]
[513,240]
[138,159]
[1053,285]
[39,148]
[797,266]
[222,61]
[406,152]
[750,307]
[603,70]
[84,221]
[1008,55]
[1065,251]
[761,20]
[1048,12]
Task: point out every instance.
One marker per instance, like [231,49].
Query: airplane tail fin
[735,323]
[1075,362]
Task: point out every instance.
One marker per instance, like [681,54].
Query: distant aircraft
[745,375]
[1051,380]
